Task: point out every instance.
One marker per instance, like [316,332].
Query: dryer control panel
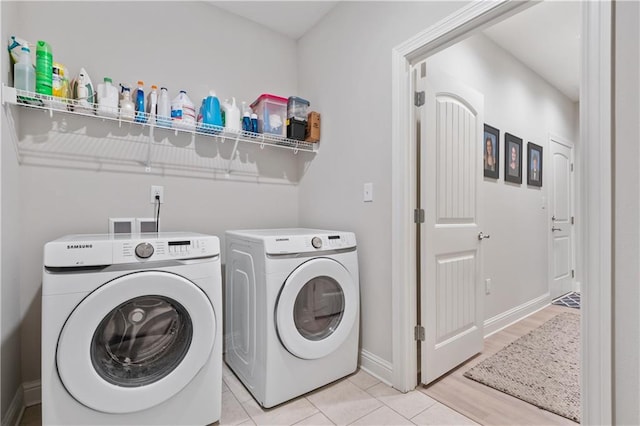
[292,244]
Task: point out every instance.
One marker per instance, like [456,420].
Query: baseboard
[505,319]
[376,366]
[32,393]
[15,410]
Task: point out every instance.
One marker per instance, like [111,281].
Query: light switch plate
[368,192]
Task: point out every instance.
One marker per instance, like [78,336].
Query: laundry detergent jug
[183,113]
[211,121]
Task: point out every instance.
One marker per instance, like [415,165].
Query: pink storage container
[272,114]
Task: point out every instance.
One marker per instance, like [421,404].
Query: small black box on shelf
[296,129]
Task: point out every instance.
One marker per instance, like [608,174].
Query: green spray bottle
[44,68]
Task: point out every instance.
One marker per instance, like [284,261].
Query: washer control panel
[104,249]
[163,249]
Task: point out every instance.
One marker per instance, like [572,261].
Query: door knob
[482,236]
[554,229]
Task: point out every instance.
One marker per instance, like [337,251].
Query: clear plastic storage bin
[272,114]
[297,108]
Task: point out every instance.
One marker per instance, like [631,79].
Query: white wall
[626,215]
[519,102]
[345,69]
[152,41]
[11,362]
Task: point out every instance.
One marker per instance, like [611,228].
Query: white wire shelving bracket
[74,107]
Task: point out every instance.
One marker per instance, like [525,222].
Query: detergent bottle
[44,68]
[138,95]
[183,113]
[211,114]
[107,99]
[232,113]
[164,108]
[152,103]
[127,108]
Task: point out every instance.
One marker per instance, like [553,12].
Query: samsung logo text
[79,246]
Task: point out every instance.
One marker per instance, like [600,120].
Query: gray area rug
[541,367]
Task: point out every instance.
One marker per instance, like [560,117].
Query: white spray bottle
[232,115]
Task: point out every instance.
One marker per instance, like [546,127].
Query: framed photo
[512,158]
[491,150]
[534,164]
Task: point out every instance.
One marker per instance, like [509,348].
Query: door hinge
[573,220]
[419,99]
[418,215]
[418,333]
[573,273]
[571,166]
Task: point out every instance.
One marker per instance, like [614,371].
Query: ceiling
[545,37]
[291,18]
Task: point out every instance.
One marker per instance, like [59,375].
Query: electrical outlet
[159,191]
[487,286]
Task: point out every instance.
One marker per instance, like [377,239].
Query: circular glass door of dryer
[317,308]
[135,342]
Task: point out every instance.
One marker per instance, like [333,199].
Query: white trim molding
[376,366]
[16,409]
[32,393]
[596,138]
[595,201]
[505,319]
[27,394]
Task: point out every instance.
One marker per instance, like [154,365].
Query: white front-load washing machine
[132,330]
[291,310]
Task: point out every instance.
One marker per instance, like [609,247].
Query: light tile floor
[359,399]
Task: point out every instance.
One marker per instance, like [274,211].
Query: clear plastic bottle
[23,73]
[164,108]
[152,103]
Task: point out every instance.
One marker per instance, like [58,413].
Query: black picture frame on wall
[491,152]
[534,164]
[512,158]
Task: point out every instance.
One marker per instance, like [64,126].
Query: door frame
[595,193]
[551,139]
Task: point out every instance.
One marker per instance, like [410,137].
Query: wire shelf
[85,109]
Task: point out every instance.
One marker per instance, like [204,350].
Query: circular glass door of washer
[136,341]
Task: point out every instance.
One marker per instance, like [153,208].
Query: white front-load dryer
[292,303]
[132,330]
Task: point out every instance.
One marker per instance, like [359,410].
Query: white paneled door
[450,170]
[562,220]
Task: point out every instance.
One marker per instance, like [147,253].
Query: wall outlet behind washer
[159,191]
